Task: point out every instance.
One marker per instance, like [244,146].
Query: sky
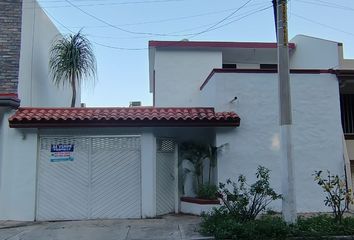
[120,30]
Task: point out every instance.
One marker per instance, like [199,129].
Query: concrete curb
[8,225]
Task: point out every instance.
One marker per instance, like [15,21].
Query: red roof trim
[293,71]
[121,117]
[14,95]
[215,44]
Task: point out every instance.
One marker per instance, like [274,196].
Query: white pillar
[148,174]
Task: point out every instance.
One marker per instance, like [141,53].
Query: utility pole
[285,115]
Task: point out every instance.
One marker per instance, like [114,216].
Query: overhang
[9,100]
[122,117]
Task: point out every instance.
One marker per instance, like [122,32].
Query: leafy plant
[246,201]
[222,225]
[338,196]
[207,191]
[197,154]
[72,59]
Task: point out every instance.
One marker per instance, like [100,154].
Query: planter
[197,206]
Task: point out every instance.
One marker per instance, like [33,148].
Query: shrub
[246,201]
[323,225]
[222,225]
[338,196]
[207,191]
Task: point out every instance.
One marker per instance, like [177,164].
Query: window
[229,65]
[347,112]
[268,66]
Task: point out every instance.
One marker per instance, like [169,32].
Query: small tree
[71,61]
[245,201]
[338,196]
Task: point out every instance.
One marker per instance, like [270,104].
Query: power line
[259,10]
[109,3]
[100,44]
[170,19]
[194,35]
[111,25]
[322,24]
[223,20]
[246,14]
[327,4]
[150,33]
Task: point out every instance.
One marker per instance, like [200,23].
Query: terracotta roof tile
[134,116]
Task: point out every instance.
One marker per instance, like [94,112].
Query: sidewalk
[181,227]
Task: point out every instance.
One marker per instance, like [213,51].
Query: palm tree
[71,61]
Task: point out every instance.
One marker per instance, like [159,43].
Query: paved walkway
[169,227]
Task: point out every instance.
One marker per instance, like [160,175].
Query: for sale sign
[61,152]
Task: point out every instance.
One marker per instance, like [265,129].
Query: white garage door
[89,178]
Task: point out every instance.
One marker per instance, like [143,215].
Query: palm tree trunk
[73,88]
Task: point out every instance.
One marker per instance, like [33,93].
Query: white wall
[317,129]
[148,174]
[18,172]
[35,83]
[314,53]
[179,74]
[18,159]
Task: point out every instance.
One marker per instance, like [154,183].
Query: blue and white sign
[61,152]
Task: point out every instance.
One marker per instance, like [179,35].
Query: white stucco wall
[314,53]
[179,74]
[317,133]
[18,172]
[35,83]
[19,163]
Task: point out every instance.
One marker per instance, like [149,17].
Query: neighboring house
[26,35]
[322,90]
[88,163]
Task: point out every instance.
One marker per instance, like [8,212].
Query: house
[86,163]
[242,77]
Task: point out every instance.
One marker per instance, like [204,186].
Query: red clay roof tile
[134,116]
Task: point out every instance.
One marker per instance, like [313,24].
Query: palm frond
[72,57]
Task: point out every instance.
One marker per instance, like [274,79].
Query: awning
[122,117]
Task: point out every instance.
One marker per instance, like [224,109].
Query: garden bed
[197,206]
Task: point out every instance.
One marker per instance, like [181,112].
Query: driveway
[168,227]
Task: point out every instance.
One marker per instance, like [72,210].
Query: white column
[148,174]
[18,172]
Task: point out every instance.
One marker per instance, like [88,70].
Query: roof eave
[123,123]
[9,101]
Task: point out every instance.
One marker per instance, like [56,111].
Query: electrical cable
[322,24]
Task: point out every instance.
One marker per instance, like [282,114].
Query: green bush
[222,225]
[323,225]
[245,201]
[338,196]
[207,191]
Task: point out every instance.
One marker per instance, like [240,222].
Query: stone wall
[10,44]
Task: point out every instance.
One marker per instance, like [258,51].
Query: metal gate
[166,177]
[89,178]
